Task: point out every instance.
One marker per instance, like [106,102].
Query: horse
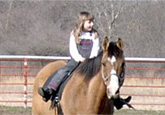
[93,86]
[40,107]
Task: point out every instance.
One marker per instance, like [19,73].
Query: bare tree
[113,17]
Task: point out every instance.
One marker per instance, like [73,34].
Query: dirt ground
[27,111]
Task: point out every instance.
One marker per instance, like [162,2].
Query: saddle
[57,96]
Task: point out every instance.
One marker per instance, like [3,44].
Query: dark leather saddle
[57,97]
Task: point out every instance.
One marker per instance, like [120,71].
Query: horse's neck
[96,92]
[97,84]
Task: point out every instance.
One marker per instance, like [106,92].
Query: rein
[105,79]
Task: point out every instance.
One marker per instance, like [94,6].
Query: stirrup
[54,102]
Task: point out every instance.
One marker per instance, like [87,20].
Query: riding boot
[51,86]
[119,102]
[46,93]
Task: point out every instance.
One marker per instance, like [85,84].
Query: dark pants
[56,78]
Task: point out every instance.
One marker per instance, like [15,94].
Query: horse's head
[113,66]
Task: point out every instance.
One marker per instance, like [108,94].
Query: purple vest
[85,47]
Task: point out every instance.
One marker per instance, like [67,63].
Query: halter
[105,78]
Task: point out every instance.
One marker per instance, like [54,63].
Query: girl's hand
[83,60]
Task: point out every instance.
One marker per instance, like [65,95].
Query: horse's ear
[120,44]
[105,44]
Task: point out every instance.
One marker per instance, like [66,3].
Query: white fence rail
[134,59]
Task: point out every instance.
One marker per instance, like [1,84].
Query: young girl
[84,44]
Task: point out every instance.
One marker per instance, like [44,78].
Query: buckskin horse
[93,86]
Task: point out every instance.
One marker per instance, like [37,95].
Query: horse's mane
[90,67]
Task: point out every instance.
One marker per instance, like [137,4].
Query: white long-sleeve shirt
[73,46]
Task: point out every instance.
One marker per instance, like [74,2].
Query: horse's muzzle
[112,87]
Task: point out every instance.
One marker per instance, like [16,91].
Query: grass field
[14,111]
[138,112]
[27,111]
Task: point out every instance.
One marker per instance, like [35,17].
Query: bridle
[105,78]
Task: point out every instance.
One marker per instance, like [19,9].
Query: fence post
[25,82]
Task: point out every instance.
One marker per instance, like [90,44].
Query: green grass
[27,111]
[138,112]
[14,110]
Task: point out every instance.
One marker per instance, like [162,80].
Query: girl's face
[88,25]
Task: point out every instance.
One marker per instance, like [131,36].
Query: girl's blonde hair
[82,17]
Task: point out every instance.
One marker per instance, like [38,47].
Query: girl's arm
[73,49]
[95,48]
